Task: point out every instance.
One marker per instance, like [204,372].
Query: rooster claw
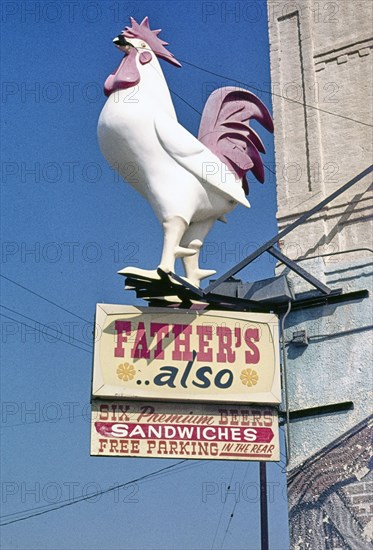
[200,274]
[183,252]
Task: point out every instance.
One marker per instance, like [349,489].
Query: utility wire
[265,92]
[49,420]
[234,508]
[38,330]
[43,325]
[185,101]
[156,475]
[276,95]
[222,509]
[87,497]
[45,299]
[199,112]
[203,69]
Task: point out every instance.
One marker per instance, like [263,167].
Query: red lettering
[127,446]
[234,420]
[146,411]
[223,416]
[183,447]
[256,418]
[252,357]
[173,447]
[204,334]
[121,328]
[104,412]
[162,331]
[245,418]
[225,354]
[268,418]
[214,449]
[119,415]
[140,348]
[182,351]
[162,447]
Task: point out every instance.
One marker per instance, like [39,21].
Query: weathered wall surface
[337,512]
[321,70]
[321,57]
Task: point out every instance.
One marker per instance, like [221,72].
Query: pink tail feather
[226,132]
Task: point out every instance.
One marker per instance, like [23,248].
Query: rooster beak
[120,40]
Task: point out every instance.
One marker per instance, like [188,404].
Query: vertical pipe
[263,507]
[284,377]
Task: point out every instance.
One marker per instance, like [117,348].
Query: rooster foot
[179,252]
[191,264]
[174,228]
[182,252]
[200,274]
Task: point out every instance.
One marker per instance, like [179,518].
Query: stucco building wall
[321,71]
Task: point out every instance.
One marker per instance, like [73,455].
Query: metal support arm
[298,269]
[269,244]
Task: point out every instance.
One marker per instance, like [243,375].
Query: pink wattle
[145,57]
[126,76]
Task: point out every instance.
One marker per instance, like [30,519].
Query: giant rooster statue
[189,182]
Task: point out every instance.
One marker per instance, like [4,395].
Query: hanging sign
[182,430]
[158,353]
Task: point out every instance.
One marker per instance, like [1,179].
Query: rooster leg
[174,229]
[193,239]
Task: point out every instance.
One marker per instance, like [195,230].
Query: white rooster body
[188,186]
[129,141]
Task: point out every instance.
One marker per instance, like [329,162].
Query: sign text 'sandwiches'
[152,353]
[170,430]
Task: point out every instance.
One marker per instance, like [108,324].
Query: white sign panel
[184,430]
[158,353]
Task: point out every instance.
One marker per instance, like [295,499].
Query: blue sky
[68,225]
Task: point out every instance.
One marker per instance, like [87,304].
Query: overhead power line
[276,95]
[199,112]
[70,502]
[156,475]
[43,325]
[222,509]
[185,101]
[234,507]
[48,420]
[45,299]
[38,330]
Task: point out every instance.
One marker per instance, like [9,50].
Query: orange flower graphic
[249,377]
[126,372]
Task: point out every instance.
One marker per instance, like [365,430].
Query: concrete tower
[321,70]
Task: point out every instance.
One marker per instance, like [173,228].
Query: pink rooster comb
[144,32]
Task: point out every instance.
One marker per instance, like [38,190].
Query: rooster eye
[143,45]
